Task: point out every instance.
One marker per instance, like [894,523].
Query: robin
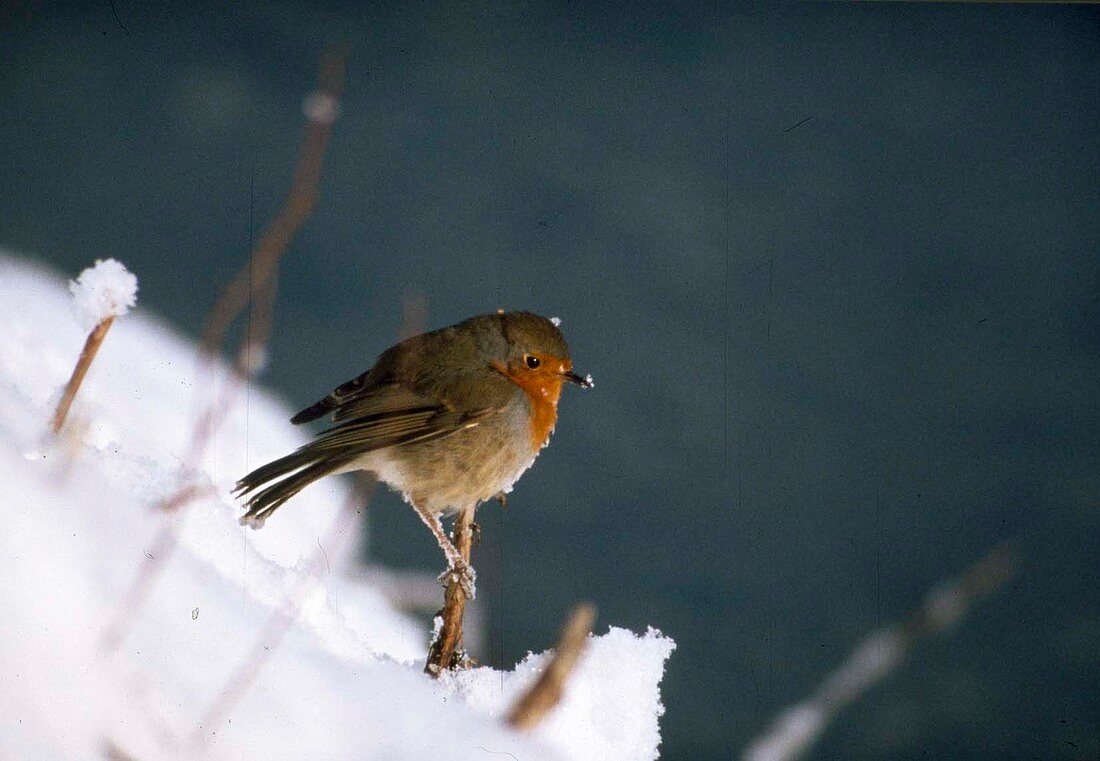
[449,419]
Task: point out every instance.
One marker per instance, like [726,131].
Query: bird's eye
[531,361]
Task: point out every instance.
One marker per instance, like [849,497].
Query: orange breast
[543,388]
[543,392]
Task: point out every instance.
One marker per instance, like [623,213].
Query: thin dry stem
[155,559]
[112,751]
[282,617]
[280,620]
[414,314]
[796,730]
[87,354]
[547,690]
[262,268]
[257,279]
[446,652]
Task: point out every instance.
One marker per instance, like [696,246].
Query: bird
[449,419]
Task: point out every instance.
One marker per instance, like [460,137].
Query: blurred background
[834,268]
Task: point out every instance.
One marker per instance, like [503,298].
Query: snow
[104,290]
[589,725]
[555,321]
[343,680]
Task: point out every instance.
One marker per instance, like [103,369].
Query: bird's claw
[462,574]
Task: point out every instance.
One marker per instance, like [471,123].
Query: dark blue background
[834,267]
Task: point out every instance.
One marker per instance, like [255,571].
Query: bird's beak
[583,382]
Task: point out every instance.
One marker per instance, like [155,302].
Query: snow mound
[596,720]
[104,290]
[340,679]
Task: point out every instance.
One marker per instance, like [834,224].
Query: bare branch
[283,616]
[281,619]
[87,354]
[259,278]
[446,651]
[545,693]
[262,268]
[796,730]
[257,281]
[112,751]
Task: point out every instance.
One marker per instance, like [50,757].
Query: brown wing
[368,418]
[401,399]
[345,392]
[386,387]
[375,416]
[385,398]
[406,426]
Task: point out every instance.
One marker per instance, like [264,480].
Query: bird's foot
[475,534]
[464,575]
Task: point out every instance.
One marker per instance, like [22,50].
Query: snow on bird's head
[104,290]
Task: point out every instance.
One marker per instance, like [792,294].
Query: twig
[101,293]
[87,354]
[414,313]
[282,617]
[878,654]
[257,281]
[112,751]
[545,693]
[262,268]
[446,651]
[279,622]
[155,559]
[321,109]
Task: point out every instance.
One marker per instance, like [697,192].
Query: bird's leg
[456,564]
[431,520]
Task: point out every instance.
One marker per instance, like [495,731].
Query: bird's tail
[295,472]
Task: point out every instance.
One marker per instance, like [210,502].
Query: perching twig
[87,354]
[446,651]
[879,653]
[545,693]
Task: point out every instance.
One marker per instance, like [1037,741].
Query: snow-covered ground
[79,524]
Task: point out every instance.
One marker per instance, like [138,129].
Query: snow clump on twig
[104,290]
